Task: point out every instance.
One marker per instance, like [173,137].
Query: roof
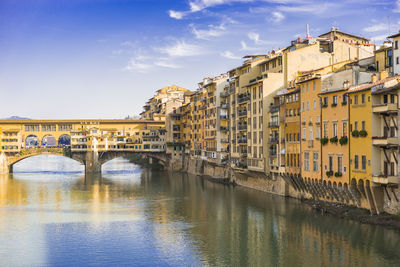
[344,33]
[394,35]
[333,90]
[369,85]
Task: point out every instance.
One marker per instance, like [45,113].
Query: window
[325,101]
[318,133]
[308,105]
[315,161]
[396,44]
[356,162]
[315,104]
[304,133]
[334,128]
[330,167]
[363,125]
[356,100]
[311,134]
[363,99]
[363,162]
[314,86]
[356,126]
[302,88]
[339,164]
[325,129]
[334,100]
[397,60]
[302,109]
[306,161]
[307,87]
[344,128]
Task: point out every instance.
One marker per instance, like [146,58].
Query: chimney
[346,84]
[383,75]
[373,78]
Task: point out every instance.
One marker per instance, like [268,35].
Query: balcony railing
[242,127]
[274,140]
[385,141]
[224,105]
[242,141]
[385,108]
[224,140]
[223,117]
[224,128]
[224,94]
[273,109]
[273,124]
[243,99]
[242,113]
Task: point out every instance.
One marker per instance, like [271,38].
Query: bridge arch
[12,161]
[49,141]
[64,140]
[32,141]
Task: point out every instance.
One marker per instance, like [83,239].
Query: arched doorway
[49,141]
[64,140]
[32,141]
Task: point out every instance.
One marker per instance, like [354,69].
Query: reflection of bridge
[90,142]
[93,160]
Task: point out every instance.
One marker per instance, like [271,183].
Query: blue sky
[105,58]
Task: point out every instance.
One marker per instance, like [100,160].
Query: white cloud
[254,36]
[128,44]
[315,8]
[199,5]
[176,14]
[376,28]
[182,49]
[397,7]
[138,64]
[166,64]
[229,54]
[277,16]
[212,31]
[382,37]
[245,47]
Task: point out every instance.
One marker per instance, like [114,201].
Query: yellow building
[384,58]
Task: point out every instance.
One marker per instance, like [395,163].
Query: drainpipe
[320,132]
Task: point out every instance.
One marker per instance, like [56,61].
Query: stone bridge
[92,160]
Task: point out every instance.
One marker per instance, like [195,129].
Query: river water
[52,215]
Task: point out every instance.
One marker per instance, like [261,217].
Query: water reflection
[137,216]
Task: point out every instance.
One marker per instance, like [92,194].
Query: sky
[92,59]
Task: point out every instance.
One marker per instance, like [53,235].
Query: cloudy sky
[105,58]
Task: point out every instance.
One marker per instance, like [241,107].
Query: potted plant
[324,140]
[333,105]
[343,140]
[329,173]
[334,139]
[363,133]
[338,174]
[355,133]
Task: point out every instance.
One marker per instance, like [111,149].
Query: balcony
[223,117]
[224,140]
[385,179]
[242,113]
[224,94]
[242,141]
[274,140]
[224,128]
[385,141]
[273,124]
[272,154]
[273,109]
[224,105]
[242,99]
[243,152]
[384,108]
[242,127]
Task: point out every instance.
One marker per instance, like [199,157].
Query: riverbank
[346,203]
[354,213]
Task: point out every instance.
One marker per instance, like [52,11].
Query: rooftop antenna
[308,37]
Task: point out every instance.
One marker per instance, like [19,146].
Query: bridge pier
[92,163]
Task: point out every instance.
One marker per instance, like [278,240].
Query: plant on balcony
[334,139]
[343,140]
[344,103]
[355,133]
[333,105]
[324,140]
[324,105]
[338,174]
[363,133]
[329,173]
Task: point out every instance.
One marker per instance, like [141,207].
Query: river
[52,215]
